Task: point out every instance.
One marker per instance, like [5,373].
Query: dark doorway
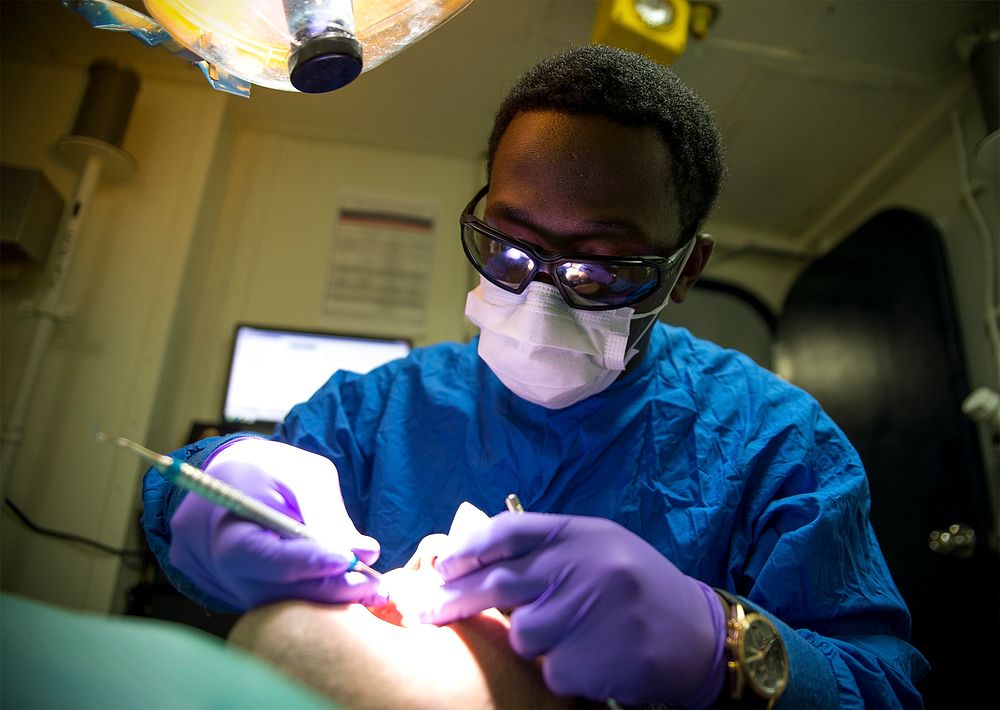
[870,330]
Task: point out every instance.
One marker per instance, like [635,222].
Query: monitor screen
[273,369]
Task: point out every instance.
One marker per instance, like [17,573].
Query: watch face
[763,657]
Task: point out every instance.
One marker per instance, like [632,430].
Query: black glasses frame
[550,263]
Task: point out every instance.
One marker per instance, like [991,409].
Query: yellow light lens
[655,13]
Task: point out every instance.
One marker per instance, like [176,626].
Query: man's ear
[703,246]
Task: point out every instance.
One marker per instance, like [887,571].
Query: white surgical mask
[546,352]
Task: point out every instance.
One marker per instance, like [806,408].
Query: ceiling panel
[774,23]
[817,139]
[908,36]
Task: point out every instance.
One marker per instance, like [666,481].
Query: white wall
[263,252]
[103,368]
[766,265]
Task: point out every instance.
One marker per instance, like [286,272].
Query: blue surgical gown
[737,477]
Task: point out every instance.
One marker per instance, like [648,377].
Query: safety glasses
[592,283]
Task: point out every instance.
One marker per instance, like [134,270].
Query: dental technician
[697,530]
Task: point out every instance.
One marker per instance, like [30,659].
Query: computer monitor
[273,369]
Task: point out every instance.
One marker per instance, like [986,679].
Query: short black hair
[595,80]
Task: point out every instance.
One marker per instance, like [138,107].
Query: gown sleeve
[160,499]
[812,562]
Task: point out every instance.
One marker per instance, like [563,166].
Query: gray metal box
[30,210]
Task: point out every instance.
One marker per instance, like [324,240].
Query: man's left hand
[609,615]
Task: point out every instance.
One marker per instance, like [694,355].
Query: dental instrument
[184,475]
[513,503]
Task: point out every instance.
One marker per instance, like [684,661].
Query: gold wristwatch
[756,656]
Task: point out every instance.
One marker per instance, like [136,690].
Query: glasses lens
[503,264]
[598,284]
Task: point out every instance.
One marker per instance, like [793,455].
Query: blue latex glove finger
[608,614]
[507,536]
[254,553]
[276,558]
[244,565]
[504,584]
[301,570]
[260,567]
[275,475]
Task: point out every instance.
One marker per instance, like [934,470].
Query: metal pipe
[48,312]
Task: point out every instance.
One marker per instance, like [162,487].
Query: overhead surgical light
[312,46]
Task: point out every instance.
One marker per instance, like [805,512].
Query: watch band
[745,690]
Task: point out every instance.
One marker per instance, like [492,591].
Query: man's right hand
[245,565]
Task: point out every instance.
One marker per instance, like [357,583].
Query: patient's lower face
[364,660]
[376,658]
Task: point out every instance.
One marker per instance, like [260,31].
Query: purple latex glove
[609,615]
[246,565]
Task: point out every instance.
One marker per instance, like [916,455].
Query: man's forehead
[584,174]
[608,224]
